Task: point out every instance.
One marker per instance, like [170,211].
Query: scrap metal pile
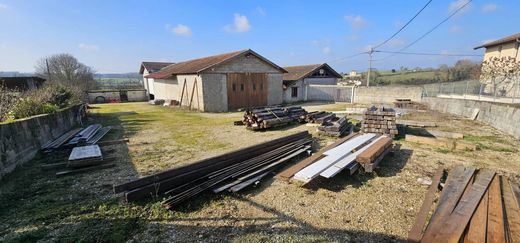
[474,206]
[380,120]
[88,136]
[232,171]
[341,155]
[270,117]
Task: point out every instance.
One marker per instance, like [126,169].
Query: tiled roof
[153,66]
[500,41]
[201,64]
[299,72]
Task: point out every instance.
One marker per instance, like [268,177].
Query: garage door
[246,90]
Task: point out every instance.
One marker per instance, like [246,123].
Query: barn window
[294,92]
[254,86]
[241,87]
[234,87]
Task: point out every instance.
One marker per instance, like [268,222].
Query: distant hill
[118,75]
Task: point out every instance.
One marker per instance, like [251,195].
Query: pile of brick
[380,120]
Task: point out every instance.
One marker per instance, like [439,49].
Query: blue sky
[115,36]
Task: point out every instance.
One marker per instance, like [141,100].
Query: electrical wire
[404,26]
[429,31]
[430,54]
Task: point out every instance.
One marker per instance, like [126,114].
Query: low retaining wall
[329,93]
[500,116]
[386,94]
[115,96]
[22,139]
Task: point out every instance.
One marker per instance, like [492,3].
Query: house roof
[500,41]
[153,66]
[200,64]
[298,72]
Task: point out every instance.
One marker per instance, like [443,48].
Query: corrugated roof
[500,41]
[201,64]
[298,72]
[153,66]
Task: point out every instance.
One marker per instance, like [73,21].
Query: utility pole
[369,65]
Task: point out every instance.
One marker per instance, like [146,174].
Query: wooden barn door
[246,90]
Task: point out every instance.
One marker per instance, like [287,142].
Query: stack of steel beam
[318,117]
[85,134]
[269,117]
[232,171]
[58,142]
[379,120]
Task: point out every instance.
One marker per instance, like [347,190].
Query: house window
[241,87]
[294,92]
[254,86]
[234,87]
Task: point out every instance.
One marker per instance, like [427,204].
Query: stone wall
[114,96]
[500,116]
[22,139]
[386,94]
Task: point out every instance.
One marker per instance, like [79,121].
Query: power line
[431,54]
[348,57]
[404,26]
[429,31]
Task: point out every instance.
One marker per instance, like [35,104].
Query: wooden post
[182,93]
[192,91]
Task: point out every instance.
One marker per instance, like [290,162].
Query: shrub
[45,100]
[7,100]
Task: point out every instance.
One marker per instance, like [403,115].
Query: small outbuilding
[297,78]
[148,68]
[221,83]
[22,83]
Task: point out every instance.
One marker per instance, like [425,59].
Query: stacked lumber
[379,120]
[270,117]
[328,163]
[409,104]
[77,136]
[232,171]
[334,127]
[371,157]
[318,117]
[474,206]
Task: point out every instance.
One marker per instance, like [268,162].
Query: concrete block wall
[386,94]
[21,140]
[329,93]
[215,92]
[500,116]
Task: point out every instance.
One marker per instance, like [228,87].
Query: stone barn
[297,78]
[220,83]
[148,68]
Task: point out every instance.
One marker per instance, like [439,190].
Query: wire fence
[473,90]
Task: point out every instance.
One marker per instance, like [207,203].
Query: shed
[297,78]
[22,83]
[222,82]
[148,68]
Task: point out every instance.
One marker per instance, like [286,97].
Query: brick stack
[379,120]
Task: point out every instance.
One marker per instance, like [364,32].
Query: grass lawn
[37,206]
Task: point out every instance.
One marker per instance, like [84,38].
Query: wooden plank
[372,152]
[372,166]
[415,234]
[477,228]
[511,210]
[453,227]
[78,171]
[450,196]
[495,230]
[289,172]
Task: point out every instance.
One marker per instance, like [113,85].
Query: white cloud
[3,6]
[326,50]
[396,42]
[260,10]
[490,7]
[456,29]
[356,21]
[241,24]
[88,47]
[180,29]
[458,4]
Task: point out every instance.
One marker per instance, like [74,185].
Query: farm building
[22,83]
[221,83]
[298,77]
[148,68]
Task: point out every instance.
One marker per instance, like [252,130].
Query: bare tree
[66,69]
[501,73]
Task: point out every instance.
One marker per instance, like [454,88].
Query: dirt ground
[380,206]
